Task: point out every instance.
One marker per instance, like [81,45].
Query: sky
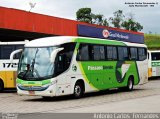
[149,17]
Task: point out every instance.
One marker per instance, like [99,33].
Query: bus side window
[64,57]
[6,50]
[133,53]
[17,56]
[123,53]
[111,53]
[0,52]
[98,52]
[83,52]
[142,53]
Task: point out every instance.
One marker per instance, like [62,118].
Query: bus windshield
[35,63]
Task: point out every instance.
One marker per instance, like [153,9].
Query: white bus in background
[8,71]
[153,63]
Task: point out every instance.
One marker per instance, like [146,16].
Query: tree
[131,24]
[84,15]
[117,19]
[99,19]
[105,22]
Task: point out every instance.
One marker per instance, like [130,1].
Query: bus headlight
[53,82]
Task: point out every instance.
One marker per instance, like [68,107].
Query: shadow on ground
[12,90]
[154,78]
[87,95]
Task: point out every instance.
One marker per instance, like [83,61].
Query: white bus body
[153,63]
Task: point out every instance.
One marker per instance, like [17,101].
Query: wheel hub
[77,90]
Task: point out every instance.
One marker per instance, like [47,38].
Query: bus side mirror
[13,54]
[54,54]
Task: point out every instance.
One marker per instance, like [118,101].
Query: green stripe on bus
[155,64]
[19,81]
[97,41]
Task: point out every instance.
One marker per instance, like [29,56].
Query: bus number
[10,65]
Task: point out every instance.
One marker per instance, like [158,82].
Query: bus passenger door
[63,62]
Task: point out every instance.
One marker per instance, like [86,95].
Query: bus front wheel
[78,90]
[1,85]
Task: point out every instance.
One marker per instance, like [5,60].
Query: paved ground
[145,104]
[144,98]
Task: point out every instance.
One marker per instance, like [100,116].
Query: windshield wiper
[33,63]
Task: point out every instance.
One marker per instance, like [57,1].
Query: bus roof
[154,51]
[14,42]
[58,40]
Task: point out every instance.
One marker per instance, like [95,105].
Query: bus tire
[1,85]
[78,90]
[130,84]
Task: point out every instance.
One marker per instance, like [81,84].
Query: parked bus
[56,66]
[153,63]
[8,70]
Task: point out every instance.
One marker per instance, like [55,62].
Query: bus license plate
[31,93]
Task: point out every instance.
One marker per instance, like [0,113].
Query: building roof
[19,25]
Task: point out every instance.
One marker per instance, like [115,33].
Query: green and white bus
[64,65]
[153,63]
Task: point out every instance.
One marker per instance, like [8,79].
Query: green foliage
[131,25]
[99,19]
[105,22]
[117,19]
[152,41]
[86,15]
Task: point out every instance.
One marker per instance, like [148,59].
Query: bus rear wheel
[78,90]
[130,84]
[1,86]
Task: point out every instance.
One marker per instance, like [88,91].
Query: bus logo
[74,68]
[105,33]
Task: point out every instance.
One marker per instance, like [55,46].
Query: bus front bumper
[50,91]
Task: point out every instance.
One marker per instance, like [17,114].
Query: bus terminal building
[18,25]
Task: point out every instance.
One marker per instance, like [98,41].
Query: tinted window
[142,53]
[17,56]
[133,54]
[98,52]
[122,53]
[0,51]
[111,53]
[155,56]
[6,51]
[64,58]
[83,52]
